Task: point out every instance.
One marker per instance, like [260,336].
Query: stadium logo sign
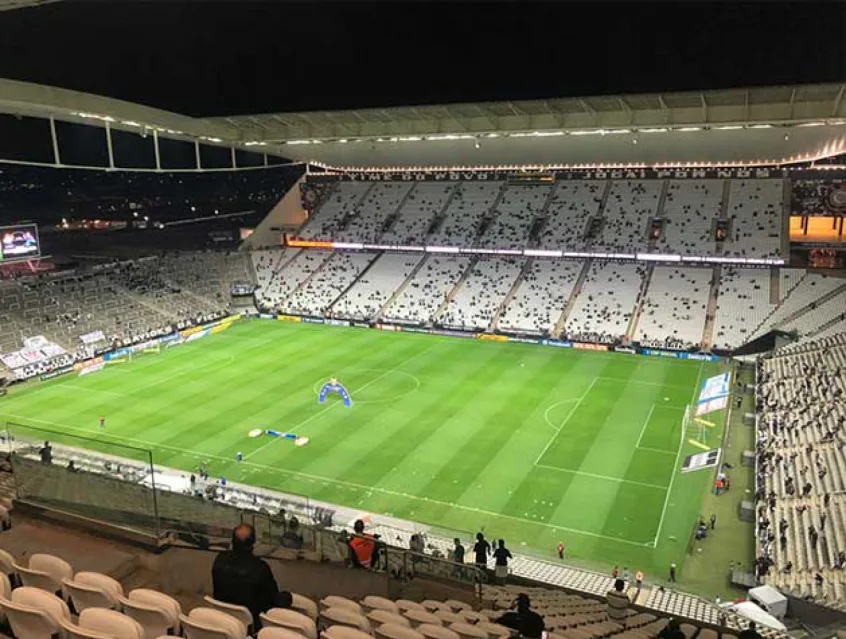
[700,357]
[335,322]
[590,347]
[555,342]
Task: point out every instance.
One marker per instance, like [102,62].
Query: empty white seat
[209,623]
[396,631]
[156,616]
[241,613]
[34,613]
[290,619]
[343,616]
[93,590]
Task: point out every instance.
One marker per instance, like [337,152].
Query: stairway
[644,287]
[353,283]
[440,216]
[454,291]
[380,314]
[392,219]
[302,284]
[711,311]
[491,215]
[571,301]
[510,295]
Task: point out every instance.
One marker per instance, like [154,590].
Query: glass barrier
[83,476]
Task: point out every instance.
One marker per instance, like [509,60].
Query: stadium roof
[762,124]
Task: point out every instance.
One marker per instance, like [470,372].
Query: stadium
[609,330]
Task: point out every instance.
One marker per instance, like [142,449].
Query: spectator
[240,578]
[458,552]
[618,602]
[501,556]
[750,632]
[524,620]
[362,546]
[46,453]
[481,549]
[672,630]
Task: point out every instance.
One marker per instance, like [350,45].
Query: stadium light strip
[456,250]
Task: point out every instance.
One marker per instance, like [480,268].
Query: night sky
[219,58]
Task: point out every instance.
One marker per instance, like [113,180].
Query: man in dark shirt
[671,631]
[481,549]
[243,579]
[751,632]
[458,552]
[524,620]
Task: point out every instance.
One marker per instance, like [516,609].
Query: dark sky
[217,58]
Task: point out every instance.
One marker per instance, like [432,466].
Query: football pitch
[534,445]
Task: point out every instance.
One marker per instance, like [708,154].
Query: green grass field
[534,444]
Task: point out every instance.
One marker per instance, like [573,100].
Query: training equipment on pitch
[336,387]
[298,441]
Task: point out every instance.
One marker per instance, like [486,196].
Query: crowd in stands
[801,469]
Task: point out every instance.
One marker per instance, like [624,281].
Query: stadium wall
[497,337]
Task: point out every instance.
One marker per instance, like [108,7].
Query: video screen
[19,242]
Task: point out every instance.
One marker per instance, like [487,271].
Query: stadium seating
[332,216]
[372,291]
[484,289]
[367,223]
[470,204]
[606,302]
[428,289]
[539,301]
[755,210]
[628,209]
[335,275]
[286,274]
[673,312]
[690,208]
[743,303]
[801,470]
[572,204]
[517,209]
[423,205]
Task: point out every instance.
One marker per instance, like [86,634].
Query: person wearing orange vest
[561,550]
[362,546]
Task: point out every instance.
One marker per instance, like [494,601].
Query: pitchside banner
[714,394]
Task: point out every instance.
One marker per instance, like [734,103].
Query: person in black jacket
[241,578]
[524,620]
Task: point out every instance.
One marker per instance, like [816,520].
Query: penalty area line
[338,482]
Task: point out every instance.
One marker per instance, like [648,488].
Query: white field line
[676,463]
[643,383]
[329,480]
[566,419]
[645,423]
[616,480]
[294,429]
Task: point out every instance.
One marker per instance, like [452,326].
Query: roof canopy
[755,125]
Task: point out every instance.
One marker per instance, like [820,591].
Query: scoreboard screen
[19,242]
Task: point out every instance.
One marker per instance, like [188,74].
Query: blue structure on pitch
[333,386]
